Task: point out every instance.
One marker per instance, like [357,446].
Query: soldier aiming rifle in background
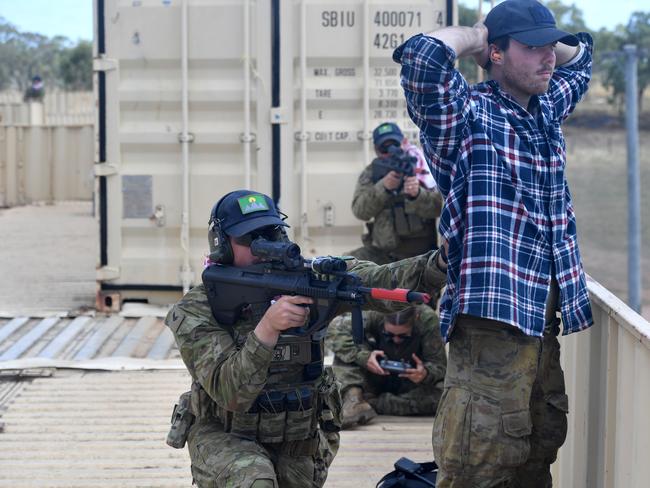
[396,196]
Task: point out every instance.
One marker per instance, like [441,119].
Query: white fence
[57,108]
[45,163]
[608,381]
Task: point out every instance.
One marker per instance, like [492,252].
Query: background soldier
[412,336]
[264,420]
[36,90]
[399,210]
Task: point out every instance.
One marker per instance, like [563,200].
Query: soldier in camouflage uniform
[262,419]
[400,211]
[411,335]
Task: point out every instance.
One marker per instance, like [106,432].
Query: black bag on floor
[410,474]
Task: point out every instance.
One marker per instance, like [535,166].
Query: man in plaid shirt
[498,155]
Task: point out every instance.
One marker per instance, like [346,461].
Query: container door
[140,131]
[343,84]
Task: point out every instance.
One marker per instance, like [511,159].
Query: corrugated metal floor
[66,423]
[72,428]
[85,337]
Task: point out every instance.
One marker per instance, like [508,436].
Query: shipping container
[200,97]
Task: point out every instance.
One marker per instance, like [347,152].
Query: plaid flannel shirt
[508,214]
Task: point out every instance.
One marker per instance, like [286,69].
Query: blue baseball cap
[388,131]
[243,211]
[526,21]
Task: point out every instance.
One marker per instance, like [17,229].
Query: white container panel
[350,85]
[144,120]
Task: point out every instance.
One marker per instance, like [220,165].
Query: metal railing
[607,372]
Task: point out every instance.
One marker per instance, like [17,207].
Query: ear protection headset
[220,248]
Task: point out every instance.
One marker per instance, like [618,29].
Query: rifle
[286,272]
[398,161]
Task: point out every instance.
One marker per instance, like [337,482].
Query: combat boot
[355,409]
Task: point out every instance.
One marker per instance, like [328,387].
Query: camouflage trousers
[389,395]
[223,460]
[502,416]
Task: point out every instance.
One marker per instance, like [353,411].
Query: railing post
[633,185]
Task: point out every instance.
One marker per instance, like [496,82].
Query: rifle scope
[287,253]
[328,265]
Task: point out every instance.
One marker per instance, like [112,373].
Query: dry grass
[597,174]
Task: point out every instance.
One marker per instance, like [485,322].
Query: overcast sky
[73,18]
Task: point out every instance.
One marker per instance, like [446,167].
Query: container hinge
[302,136]
[104,169]
[364,136]
[186,139]
[104,64]
[107,273]
[246,138]
[279,115]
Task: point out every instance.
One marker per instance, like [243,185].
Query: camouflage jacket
[233,370]
[397,220]
[426,342]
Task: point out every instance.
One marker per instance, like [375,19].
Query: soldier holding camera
[399,209]
[398,370]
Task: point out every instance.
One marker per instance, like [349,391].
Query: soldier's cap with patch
[243,211]
[388,131]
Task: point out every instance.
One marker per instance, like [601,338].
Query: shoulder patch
[174,319]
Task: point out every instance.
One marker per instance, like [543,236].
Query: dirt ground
[597,174]
[47,258]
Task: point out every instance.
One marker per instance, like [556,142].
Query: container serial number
[394,18]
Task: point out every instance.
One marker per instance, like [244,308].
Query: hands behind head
[482,54]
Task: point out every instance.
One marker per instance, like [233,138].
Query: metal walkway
[85,338]
[78,429]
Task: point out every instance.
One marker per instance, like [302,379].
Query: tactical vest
[300,394]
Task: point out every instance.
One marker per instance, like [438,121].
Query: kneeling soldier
[266,411]
[398,370]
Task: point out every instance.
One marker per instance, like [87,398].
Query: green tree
[568,17]
[637,32]
[76,68]
[56,60]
